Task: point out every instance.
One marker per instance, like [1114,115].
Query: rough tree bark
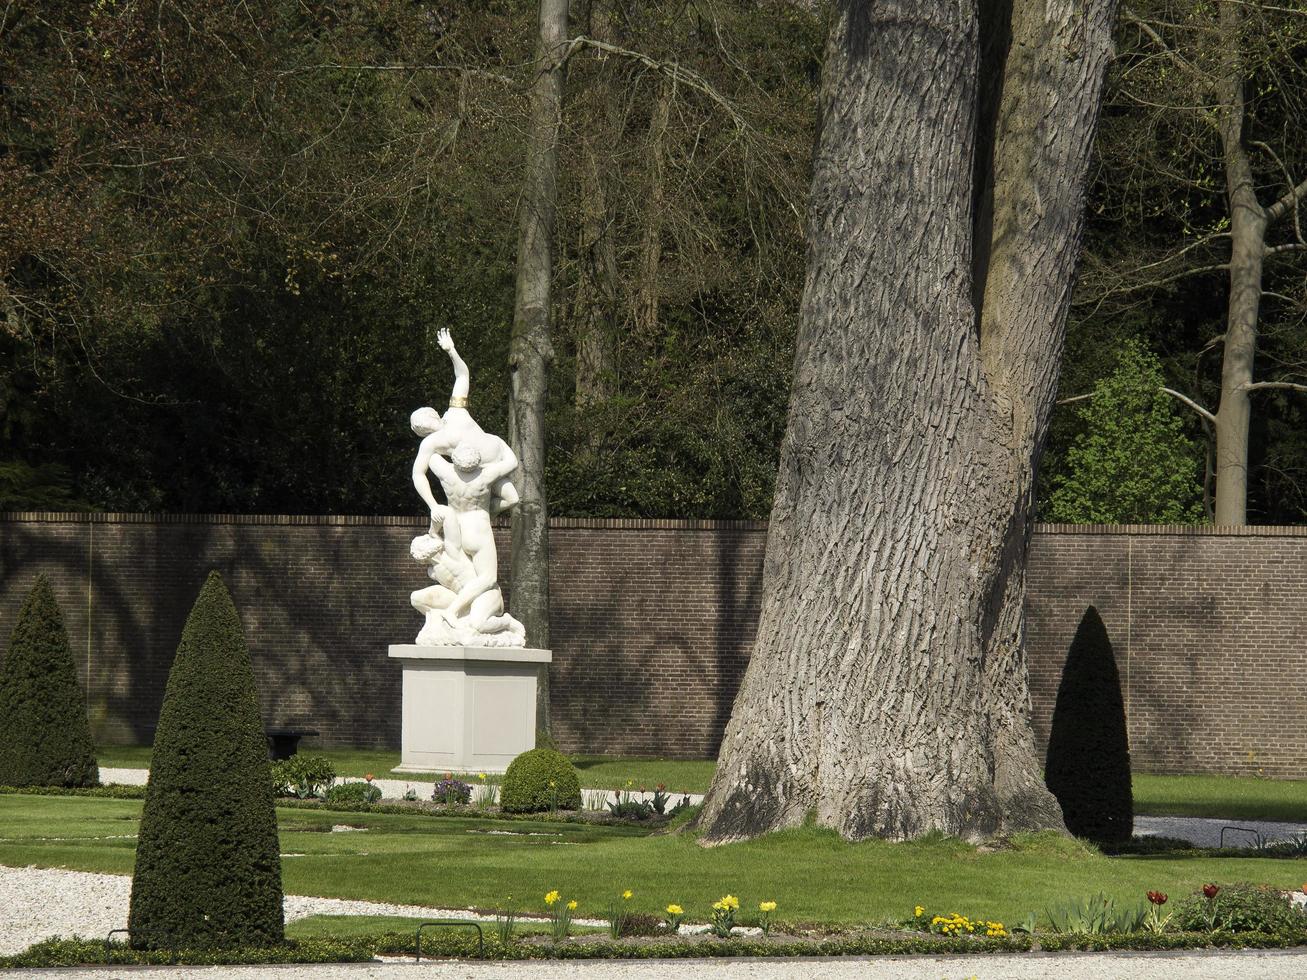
[651,246]
[1247,246]
[887,692]
[595,316]
[531,349]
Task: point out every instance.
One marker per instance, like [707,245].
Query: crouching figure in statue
[465,607]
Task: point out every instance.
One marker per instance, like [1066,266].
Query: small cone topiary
[45,739]
[208,865]
[539,780]
[1088,764]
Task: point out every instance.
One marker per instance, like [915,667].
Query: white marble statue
[465,607]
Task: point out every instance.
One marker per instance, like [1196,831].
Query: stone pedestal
[467,709]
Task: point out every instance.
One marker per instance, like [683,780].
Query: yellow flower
[729,902]
[552,897]
[675,909]
[626,895]
[766,906]
[571,906]
[919,910]
[481,776]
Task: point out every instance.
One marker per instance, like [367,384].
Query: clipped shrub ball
[303,776]
[1088,763]
[527,783]
[208,866]
[45,739]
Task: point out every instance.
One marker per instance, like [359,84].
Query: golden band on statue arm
[458,401]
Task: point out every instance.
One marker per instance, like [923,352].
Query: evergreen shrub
[1088,763]
[208,866]
[526,787]
[45,738]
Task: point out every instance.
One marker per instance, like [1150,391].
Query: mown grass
[1228,797]
[813,874]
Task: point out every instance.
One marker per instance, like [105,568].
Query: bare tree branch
[1290,200]
[1258,385]
[1192,404]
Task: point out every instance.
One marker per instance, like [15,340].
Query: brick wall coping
[606,523]
[365,520]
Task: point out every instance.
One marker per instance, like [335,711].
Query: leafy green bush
[353,792]
[538,780]
[1088,763]
[1242,907]
[302,776]
[208,866]
[45,739]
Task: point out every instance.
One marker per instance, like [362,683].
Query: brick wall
[652,622]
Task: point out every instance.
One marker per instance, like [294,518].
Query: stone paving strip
[1197,965]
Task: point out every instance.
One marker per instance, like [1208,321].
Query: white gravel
[394,789]
[36,903]
[1200,965]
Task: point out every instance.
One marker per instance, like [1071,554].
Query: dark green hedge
[526,787]
[1088,763]
[1175,940]
[93,952]
[208,866]
[45,739]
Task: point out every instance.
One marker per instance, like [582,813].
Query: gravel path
[36,903]
[1206,832]
[391,789]
[1201,965]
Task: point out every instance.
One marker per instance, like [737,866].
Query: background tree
[1088,762]
[1132,463]
[1202,149]
[45,737]
[208,864]
[887,690]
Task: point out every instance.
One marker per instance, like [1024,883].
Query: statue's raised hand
[445,341]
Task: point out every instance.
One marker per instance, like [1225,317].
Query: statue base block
[467,709]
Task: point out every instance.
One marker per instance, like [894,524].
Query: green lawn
[814,875]
[1228,797]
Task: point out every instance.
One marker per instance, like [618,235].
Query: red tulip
[1211,890]
[1157,898]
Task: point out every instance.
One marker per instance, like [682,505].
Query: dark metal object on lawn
[454,924]
[1247,830]
[284,742]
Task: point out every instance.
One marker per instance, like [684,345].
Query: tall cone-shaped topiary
[1088,763]
[45,739]
[208,866]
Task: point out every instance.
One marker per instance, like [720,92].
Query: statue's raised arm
[462,378]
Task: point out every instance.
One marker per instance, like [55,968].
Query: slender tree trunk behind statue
[887,691]
[531,349]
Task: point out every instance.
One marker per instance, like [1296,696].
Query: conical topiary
[45,739]
[1088,764]
[208,865]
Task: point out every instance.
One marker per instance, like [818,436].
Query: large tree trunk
[887,692]
[531,349]
[1247,246]
[594,321]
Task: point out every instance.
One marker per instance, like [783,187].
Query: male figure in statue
[474,470]
[442,435]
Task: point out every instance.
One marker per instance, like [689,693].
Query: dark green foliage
[353,792]
[45,739]
[526,787]
[1242,907]
[78,952]
[302,776]
[1088,764]
[208,867]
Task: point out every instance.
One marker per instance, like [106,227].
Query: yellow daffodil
[766,906]
[626,895]
[919,910]
[571,906]
[552,897]
[675,909]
